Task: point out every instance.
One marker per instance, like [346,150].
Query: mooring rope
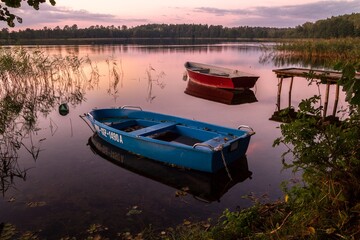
[223,158]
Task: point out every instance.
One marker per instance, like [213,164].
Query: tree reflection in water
[33,83]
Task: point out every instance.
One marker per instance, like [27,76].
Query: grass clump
[316,53]
[335,49]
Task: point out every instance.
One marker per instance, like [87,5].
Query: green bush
[328,156]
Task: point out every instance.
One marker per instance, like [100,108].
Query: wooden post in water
[336,99]
[279,92]
[328,76]
[326,98]
[290,90]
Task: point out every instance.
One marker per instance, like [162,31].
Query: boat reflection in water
[207,187]
[231,97]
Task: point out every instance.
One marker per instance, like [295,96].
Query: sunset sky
[229,13]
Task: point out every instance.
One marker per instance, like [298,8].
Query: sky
[228,13]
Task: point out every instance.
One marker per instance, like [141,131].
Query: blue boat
[169,139]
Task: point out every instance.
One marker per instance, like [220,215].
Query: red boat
[220,77]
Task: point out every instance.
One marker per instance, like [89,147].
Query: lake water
[68,187]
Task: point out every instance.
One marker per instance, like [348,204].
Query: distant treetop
[7,16]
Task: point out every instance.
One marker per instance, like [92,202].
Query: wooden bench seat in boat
[154,129]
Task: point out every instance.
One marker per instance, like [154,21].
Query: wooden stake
[336,100]
[279,92]
[290,90]
[326,98]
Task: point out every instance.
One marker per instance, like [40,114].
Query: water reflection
[170,48]
[9,168]
[313,76]
[33,84]
[157,80]
[202,186]
[116,76]
[123,41]
[231,97]
[66,172]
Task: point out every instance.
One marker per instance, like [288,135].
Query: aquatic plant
[313,52]
[150,80]
[116,76]
[33,83]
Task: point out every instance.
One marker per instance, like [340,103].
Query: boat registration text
[107,133]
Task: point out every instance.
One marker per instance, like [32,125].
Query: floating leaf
[186,222]
[7,231]
[185,189]
[180,193]
[95,228]
[311,230]
[36,204]
[134,211]
[330,230]
[206,225]
[29,235]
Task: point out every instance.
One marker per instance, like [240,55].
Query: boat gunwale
[232,73]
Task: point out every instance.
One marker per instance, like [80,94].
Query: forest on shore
[335,27]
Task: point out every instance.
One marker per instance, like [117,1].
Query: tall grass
[331,50]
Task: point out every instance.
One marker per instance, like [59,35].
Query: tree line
[334,27]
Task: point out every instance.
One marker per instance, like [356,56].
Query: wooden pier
[329,76]
[326,77]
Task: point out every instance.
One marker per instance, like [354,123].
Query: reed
[33,84]
[330,49]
